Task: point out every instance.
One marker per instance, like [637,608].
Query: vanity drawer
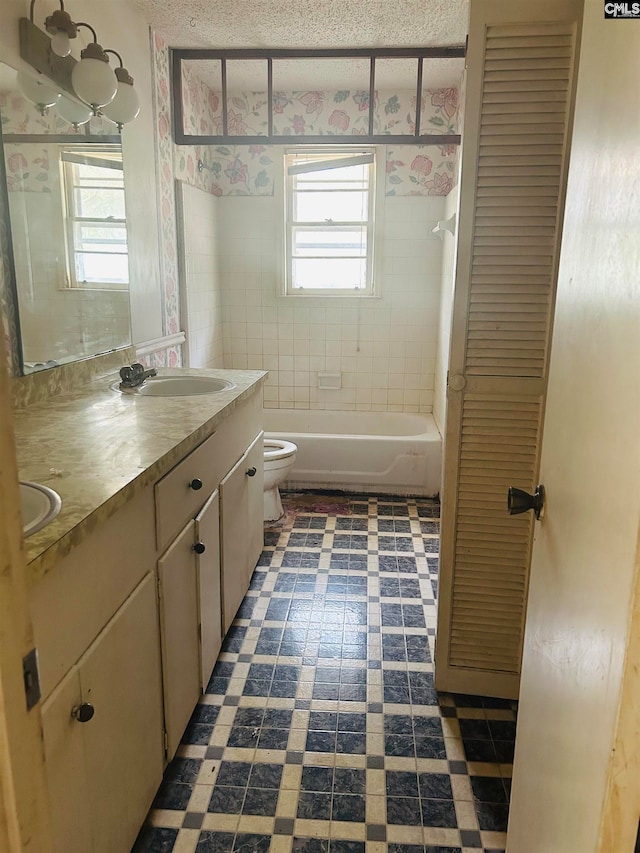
[175,496]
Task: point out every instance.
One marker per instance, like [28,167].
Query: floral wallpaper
[315,113]
[28,168]
[202,107]
[227,169]
[420,169]
[166,200]
[346,113]
[250,170]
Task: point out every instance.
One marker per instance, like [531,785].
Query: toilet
[279,457]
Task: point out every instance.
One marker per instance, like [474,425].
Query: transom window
[95,222]
[330,197]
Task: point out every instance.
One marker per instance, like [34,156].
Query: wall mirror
[66,202]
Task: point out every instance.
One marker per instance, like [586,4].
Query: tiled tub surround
[321,731]
[98,448]
[384,347]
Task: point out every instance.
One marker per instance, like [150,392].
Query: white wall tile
[384,346]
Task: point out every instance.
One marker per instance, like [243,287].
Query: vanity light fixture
[61,28]
[92,78]
[40,94]
[75,113]
[126,105]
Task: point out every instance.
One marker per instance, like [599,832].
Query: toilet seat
[275,449]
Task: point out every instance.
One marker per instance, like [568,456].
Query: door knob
[519,501]
[251,472]
[83,712]
[195,484]
[199,548]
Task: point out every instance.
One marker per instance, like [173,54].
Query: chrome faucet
[135,375]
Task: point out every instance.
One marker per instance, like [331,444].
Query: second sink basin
[178,386]
[40,505]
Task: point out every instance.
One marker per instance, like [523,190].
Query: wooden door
[179,616]
[120,676]
[66,768]
[239,519]
[207,533]
[24,811]
[521,67]
[576,782]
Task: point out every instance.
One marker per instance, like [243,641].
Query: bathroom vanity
[134,584]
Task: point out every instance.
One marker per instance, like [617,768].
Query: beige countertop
[97,448]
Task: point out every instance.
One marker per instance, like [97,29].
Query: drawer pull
[199,548]
[83,712]
[251,472]
[195,484]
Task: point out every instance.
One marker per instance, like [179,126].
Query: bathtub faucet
[135,375]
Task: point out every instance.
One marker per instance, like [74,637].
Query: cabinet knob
[195,484]
[251,472]
[199,548]
[83,712]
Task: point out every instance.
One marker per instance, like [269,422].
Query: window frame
[372,223]
[70,161]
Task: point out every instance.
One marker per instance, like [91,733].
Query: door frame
[24,809]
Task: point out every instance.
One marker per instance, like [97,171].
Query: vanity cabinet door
[241,496]
[210,607]
[120,676]
[65,768]
[255,521]
[103,768]
[179,618]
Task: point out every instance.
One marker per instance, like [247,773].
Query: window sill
[330,294]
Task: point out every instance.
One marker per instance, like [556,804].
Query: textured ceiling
[315,24]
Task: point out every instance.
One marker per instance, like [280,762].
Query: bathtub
[378,452]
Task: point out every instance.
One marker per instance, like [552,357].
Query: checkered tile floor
[321,731]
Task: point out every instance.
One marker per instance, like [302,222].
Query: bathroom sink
[178,386]
[40,505]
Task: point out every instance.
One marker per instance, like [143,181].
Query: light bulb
[40,94]
[60,44]
[75,114]
[93,79]
[126,105]
[61,28]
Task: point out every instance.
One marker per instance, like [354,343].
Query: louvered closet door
[521,69]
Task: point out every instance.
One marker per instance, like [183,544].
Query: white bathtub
[379,452]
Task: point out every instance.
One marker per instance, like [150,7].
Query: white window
[95,222]
[330,197]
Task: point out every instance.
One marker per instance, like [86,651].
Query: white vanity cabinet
[128,627]
[214,498]
[241,527]
[102,731]
[207,535]
[190,616]
[178,600]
